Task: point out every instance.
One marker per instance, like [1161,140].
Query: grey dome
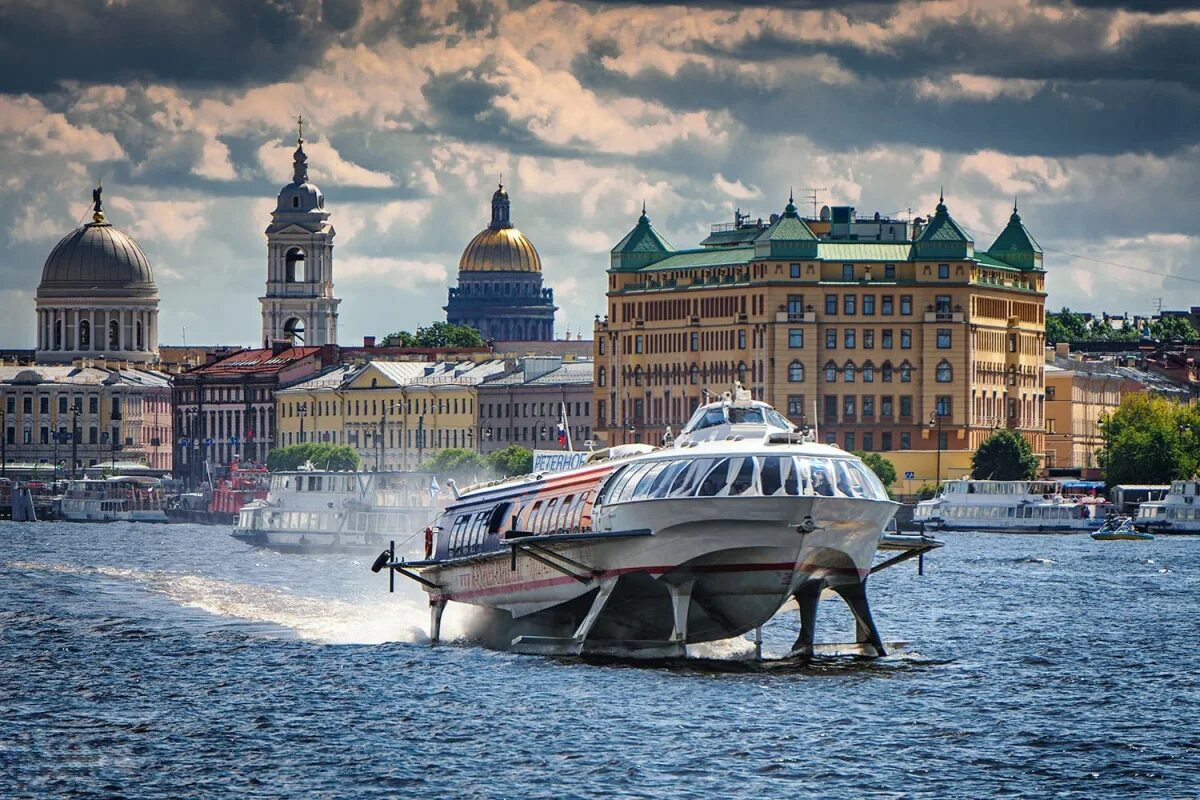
[97,260]
[300,198]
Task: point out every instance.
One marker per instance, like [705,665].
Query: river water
[173,661]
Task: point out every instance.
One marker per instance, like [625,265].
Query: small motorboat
[1115,528]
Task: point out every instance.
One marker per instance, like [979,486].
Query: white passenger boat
[1008,506]
[1178,511]
[643,551]
[123,498]
[319,511]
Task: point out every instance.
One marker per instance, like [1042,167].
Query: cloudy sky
[1088,111]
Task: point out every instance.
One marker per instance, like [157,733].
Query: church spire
[299,158]
[501,210]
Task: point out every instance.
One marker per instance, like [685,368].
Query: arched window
[294,266]
[796,372]
[831,372]
[848,372]
[695,376]
[601,377]
[140,343]
[885,373]
[741,371]
[945,372]
[295,201]
[114,334]
[868,372]
[85,334]
[906,372]
[58,334]
[637,376]
[293,329]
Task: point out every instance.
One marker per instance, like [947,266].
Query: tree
[439,334]
[322,456]
[1004,456]
[456,462]
[1149,439]
[884,470]
[512,460]
[1172,329]
[1067,326]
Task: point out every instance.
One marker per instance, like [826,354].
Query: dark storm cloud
[43,42]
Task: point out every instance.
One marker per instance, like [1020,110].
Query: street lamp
[76,410]
[935,423]
[302,411]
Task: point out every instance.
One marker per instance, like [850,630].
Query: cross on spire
[300,136]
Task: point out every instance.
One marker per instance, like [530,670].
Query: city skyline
[587,110]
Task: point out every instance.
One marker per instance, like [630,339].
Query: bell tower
[299,305]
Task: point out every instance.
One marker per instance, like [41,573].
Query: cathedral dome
[500,247]
[97,260]
[500,250]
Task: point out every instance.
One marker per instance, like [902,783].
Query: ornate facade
[299,306]
[500,289]
[885,334]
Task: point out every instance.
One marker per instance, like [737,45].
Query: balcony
[944,316]
[803,316]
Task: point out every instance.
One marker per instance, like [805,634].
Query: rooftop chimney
[279,345]
[1062,349]
[368,341]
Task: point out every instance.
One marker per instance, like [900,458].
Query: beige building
[887,335]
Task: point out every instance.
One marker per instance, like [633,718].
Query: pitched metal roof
[260,361]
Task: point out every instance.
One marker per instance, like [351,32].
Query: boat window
[822,477]
[666,478]
[870,481]
[530,516]
[546,522]
[564,511]
[746,416]
[742,481]
[712,417]
[685,484]
[714,482]
[642,490]
[771,476]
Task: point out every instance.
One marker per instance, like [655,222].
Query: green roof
[641,246]
[864,251]
[1016,246]
[943,237]
[787,237]
[705,257]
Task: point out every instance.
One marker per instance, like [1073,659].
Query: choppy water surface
[172,661]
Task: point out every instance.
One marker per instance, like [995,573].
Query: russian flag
[562,435]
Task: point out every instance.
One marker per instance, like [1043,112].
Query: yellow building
[394,414]
[886,335]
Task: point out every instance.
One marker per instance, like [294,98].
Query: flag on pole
[434,489]
[564,432]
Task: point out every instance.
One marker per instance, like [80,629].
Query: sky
[1088,113]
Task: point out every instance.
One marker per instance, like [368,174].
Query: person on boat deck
[822,485]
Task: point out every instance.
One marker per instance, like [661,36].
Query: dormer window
[295,201]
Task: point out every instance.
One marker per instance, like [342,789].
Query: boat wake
[399,618]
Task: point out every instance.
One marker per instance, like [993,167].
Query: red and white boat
[643,551]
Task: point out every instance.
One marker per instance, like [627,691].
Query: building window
[869,305]
[831,304]
[943,405]
[905,339]
[848,338]
[831,372]
[885,407]
[849,372]
[945,372]
[638,344]
[831,338]
[795,337]
[943,338]
[887,305]
[795,372]
[887,440]
[795,405]
[695,341]
[741,372]
[1012,343]
[795,307]
[887,339]
[795,270]
[849,302]
[868,372]
[889,272]
[885,372]
[599,343]
[93,405]
[943,271]
[848,438]
[847,272]
[637,376]
[905,441]
[906,305]
[44,405]
[741,340]
[1049,392]
[905,373]
[868,442]
[941,304]
[905,406]
[868,405]
[848,404]
[62,404]
[869,339]
[831,406]
[601,377]
[695,374]
[1050,425]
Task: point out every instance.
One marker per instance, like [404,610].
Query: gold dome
[500,250]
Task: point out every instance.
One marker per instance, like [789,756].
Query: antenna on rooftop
[1158,306]
[812,195]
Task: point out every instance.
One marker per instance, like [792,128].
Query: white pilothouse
[1177,512]
[1009,506]
[644,551]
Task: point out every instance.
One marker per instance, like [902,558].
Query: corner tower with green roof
[866,327]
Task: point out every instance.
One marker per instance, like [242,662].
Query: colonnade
[126,329]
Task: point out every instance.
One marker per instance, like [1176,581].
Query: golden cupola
[500,247]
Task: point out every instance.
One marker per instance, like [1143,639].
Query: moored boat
[1117,528]
[1008,507]
[1178,512]
[309,511]
[128,498]
[242,485]
[643,551]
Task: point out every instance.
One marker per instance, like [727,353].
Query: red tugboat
[243,484]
